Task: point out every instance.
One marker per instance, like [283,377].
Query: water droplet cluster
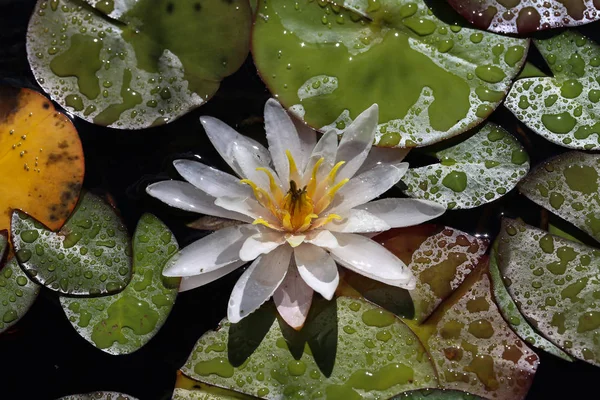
[17,293]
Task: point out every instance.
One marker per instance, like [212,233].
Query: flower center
[297,208]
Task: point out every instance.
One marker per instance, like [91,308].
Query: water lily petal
[293,298]
[321,238]
[261,243]
[249,163]
[357,221]
[356,142]
[369,258]
[187,197]
[382,155]
[193,282]
[247,207]
[212,252]
[282,136]
[318,269]
[258,283]
[308,141]
[326,148]
[399,213]
[211,180]
[367,186]
[225,139]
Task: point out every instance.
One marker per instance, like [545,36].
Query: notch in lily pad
[89,256]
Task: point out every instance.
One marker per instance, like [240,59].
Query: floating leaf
[89,256]
[17,292]
[376,353]
[142,307]
[526,16]
[189,389]
[440,262]
[436,394]
[563,109]
[42,162]
[431,80]
[472,346]
[515,319]
[158,61]
[476,171]
[556,286]
[99,396]
[568,186]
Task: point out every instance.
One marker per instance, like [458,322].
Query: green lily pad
[99,396]
[142,307]
[515,319]
[568,186]
[436,394]
[369,351]
[134,64]
[563,109]
[556,286]
[473,172]
[189,389]
[527,16]
[431,80]
[184,394]
[89,256]
[17,291]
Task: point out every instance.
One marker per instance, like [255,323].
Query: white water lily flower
[304,206]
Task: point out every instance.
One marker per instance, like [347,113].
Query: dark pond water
[43,357]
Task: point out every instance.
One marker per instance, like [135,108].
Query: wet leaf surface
[99,396]
[89,256]
[431,80]
[563,109]
[133,64]
[41,159]
[527,16]
[126,321]
[189,389]
[436,394]
[473,172]
[554,282]
[373,351]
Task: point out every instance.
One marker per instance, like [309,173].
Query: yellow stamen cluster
[299,209]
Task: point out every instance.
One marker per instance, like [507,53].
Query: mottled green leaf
[436,394]
[370,351]
[189,389]
[126,321]
[17,291]
[515,319]
[431,80]
[531,71]
[99,396]
[527,16]
[564,109]
[146,63]
[89,256]
[555,284]
[568,186]
[473,172]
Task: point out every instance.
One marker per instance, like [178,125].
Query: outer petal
[184,196]
[282,136]
[382,155]
[318,269]
[357,141]
[193,282]
[372,260]
[210,180]
[358,221]
[261,243]
[293,298]
[326,148]
[210,253]
[399,213]
[247,207]
[225,139]
[367,186]
[258,283]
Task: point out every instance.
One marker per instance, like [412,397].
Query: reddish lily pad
[527,16]
[42,159]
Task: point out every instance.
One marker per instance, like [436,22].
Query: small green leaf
[531,71]
[473,172]
[527,16]
[134,64]
[515,319]
[369,350]
[568,186]
[89,256]
[126,321]
[554,282]
[430,79]
[99,396]
[564,109]
[17,291]
[436,394]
